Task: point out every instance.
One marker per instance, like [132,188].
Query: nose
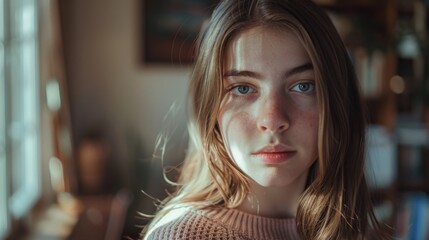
[272,116]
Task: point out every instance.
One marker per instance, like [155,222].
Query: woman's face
[269,114]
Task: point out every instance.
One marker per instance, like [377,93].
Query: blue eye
[305,87]
[242,90]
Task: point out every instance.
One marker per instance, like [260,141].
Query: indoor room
[95,111]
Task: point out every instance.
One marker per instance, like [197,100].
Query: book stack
[413,217]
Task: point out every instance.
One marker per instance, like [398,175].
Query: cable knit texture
[225,224]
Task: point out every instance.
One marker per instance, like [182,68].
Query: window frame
[25,41]
[20,83]
[4,220]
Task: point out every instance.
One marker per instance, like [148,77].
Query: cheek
[310,120]
[312,130]
[235,125]
[307,128]
[313,123]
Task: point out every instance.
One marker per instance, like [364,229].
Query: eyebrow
[244,73]
[299,69]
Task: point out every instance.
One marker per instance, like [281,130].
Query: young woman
[277,131]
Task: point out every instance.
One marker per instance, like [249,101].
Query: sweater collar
[255,227]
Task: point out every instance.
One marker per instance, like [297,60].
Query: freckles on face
[269,115]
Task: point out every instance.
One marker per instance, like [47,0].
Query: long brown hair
[336,203]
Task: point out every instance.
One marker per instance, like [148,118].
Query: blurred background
[93,108]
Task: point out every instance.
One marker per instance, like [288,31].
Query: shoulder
[191,223]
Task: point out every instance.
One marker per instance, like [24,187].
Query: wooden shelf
[382,193]
[418,185]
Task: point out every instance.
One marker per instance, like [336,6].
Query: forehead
[262,47]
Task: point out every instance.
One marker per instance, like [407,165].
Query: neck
[277,202]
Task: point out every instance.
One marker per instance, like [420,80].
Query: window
[19,110]
[3,182]
[23,114]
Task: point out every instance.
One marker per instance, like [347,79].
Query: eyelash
[235,88]
[312,87]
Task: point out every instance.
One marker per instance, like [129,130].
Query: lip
[274,154]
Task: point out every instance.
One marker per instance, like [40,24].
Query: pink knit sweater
[225,224]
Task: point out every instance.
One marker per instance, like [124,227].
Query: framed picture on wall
[171,28]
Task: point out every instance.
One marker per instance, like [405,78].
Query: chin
[272,182]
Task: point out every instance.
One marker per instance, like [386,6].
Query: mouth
[272,155]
